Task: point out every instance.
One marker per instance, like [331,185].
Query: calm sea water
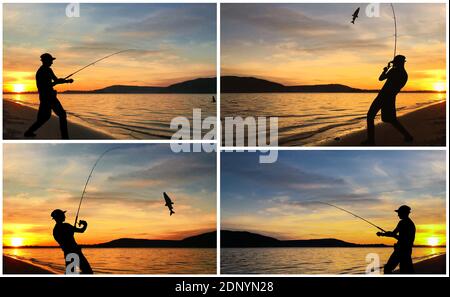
[128,116]
[127,260]
[307,260]
[309,118]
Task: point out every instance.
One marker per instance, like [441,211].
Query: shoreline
[426,124]
[17,118]
[433,265]
[15,266]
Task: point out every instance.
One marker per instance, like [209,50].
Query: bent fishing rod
[395,30]
[96,61]
[353,214]
[87,180]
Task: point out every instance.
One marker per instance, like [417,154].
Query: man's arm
[82,229]
[384,74]
[57,81]
[393,233]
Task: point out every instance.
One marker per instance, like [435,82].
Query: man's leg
[397,125]
[43,115]
[392,263]
[85,267]
[406,264]
[61,113]
[371,114]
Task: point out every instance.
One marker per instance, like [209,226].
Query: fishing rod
[96,61]
[87,181]
[353,214]
[395,30]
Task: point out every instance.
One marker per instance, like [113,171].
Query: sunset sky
[172,42]
[123,199]
[280,199]
[298,44]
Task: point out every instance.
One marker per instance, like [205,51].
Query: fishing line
[395,30]
[88,178]
[96,61]
[353,214]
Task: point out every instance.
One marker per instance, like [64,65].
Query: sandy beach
[427,125]
[17,118]
[435,265]
[14,266]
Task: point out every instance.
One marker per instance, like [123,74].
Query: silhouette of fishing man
[64,235]
[396,78]
[45,81]
[405,233]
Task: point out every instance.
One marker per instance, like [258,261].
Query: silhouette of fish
[355,15]
[169,203]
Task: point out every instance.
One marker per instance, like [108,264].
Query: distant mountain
[195,86]
[205,240]
[237,84]
[247,239]
[327,88]
[125,89]
[199,85]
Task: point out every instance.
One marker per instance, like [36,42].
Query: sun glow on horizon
[439,86]
[17,241]
[433,241]
[18,88]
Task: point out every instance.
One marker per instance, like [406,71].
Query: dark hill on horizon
[195,86]
[238,84]
[244,239]
[204,240]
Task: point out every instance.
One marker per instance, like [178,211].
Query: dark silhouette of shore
[237,84]
[244,239]
[204,240]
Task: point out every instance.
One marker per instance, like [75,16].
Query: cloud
[281,176]
[277,19]
[170,171]
[164,23]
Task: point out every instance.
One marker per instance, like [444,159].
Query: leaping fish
[169,203]
[355,15]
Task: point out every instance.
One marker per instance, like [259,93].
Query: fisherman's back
[64,235]
[396,80]
[44,80]
[406,233]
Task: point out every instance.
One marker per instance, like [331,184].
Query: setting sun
[433,241]
[439,86]
[16,241]
[18,88]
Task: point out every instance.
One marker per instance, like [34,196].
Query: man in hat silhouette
[45,80]
[405,233]
[64,235]
[396,78]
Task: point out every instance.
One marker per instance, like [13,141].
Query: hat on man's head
[399,59]
[47,57]
[57,213]
[403,209]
